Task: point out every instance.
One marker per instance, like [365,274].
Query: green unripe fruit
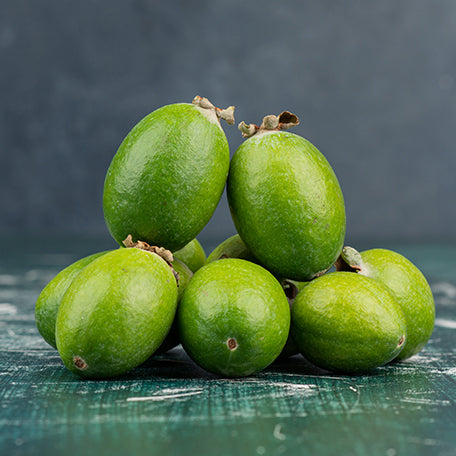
[285,201]
[406,283]
[233,247]
[116,313]
[185,275]
[192,254]
[167,177]
[347,323]
[48,301]
[233,318]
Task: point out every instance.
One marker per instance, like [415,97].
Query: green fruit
[172,338]
[184,275]
[48,301]
[116,313]
[167,177]
[192,255]
[291,288]
[407,284]
[233,247]
[347,323]
[285,201]
[233,318]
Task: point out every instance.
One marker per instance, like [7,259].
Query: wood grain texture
[169,406]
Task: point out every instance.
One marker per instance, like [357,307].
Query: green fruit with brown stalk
[407,284]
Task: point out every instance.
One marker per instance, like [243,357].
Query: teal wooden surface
[171,407]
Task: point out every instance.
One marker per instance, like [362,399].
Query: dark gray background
[372,82]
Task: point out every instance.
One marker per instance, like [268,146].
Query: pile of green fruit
[265,292]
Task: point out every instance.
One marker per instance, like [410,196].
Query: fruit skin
[410,288]
[48,301]
[286,204]
[233,247]
[185,275]
[292,289]
[116,313]
[238,304]
[347,323]
[192,254]
[167,177]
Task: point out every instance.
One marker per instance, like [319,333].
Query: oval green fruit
[286,202]
[347,323]
[233,318]
[234,247]
[192,254]
[167,177]
[407,284]
[48,301]
[116,313]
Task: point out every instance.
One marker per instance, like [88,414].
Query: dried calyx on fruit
[160,251]
[283,121]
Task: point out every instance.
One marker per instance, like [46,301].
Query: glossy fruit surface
[192,254]
[286,204]
[410,288]
[167,177]
[48,301]
[233,318]
[116,313]
[347,323]
[233,247]
[291,288]
[172,338]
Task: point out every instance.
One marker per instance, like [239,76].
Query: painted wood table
[171,407]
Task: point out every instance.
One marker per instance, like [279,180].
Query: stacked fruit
[263,293]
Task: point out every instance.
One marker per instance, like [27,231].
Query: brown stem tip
[232,344]
[80,363]
[283,121]
[160,251]
[226,114]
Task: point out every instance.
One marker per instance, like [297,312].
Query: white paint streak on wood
[444,323]
[163,397]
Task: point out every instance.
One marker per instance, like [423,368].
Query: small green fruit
[407,284]
[167,177]
[172,338]
[48,301]
[233,247]
[347,323]
[285,201]
[192,255]
[116,313]
[233,318]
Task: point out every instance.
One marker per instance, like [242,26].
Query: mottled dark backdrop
[373,83]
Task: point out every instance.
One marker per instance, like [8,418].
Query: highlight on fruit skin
[168,175]
[285,200]
[407,284]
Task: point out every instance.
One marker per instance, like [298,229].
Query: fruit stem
[283,121]
[349,260]
[226,114]
[160,251]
